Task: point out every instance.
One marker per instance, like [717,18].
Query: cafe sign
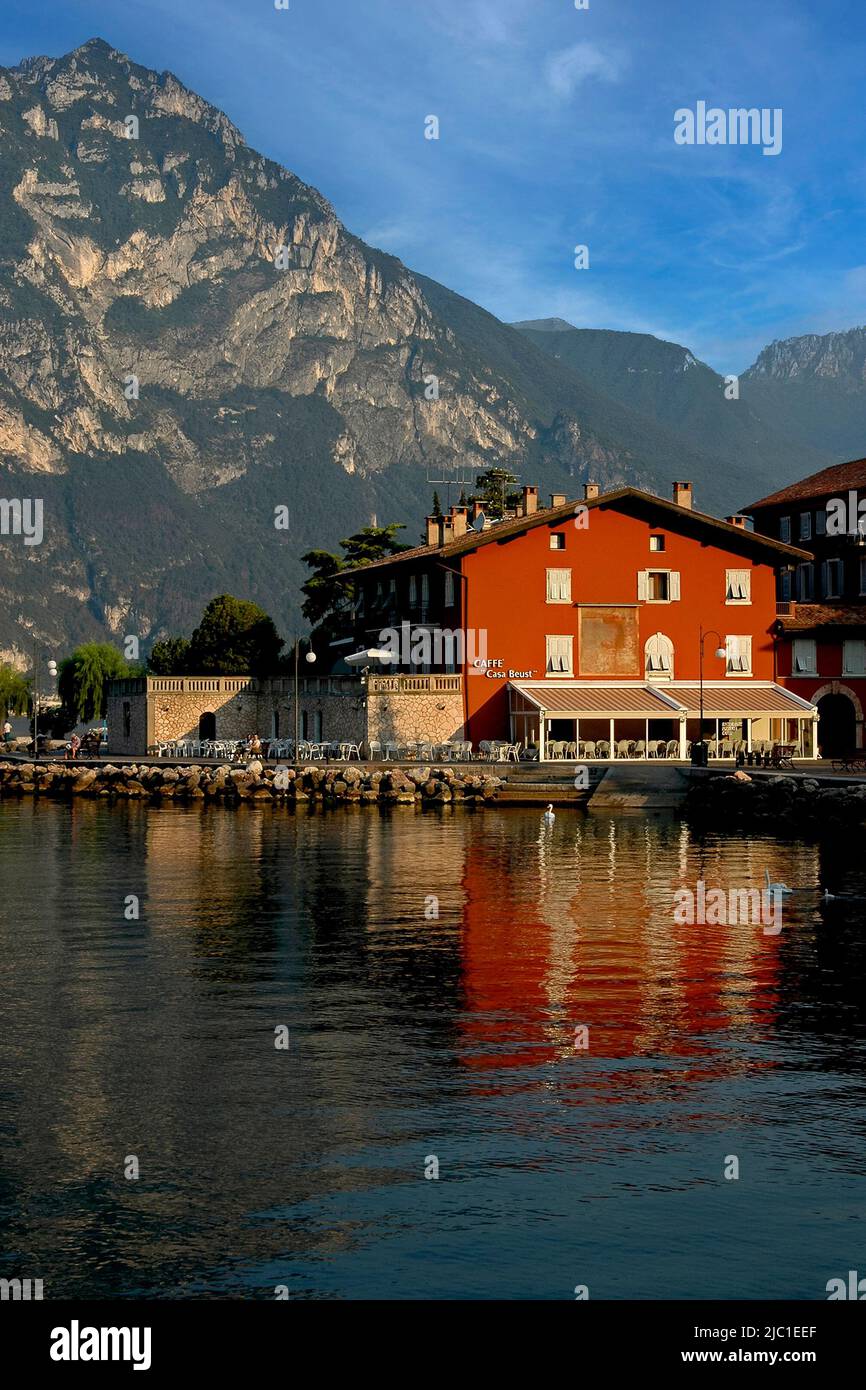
[493,667]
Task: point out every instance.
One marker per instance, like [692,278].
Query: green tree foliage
[234,638]
[326,594]
[170,657]
[83,676]
[14,692]
[437,505]
[496,490]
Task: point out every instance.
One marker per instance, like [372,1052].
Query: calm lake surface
[413,1038]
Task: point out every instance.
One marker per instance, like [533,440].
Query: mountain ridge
[191,339]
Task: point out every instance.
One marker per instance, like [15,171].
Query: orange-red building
[581,623]
[821,627]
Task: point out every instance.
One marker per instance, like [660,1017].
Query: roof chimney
[530,501]
[683,495]
[446,529]
[433,530]
[737,521]
[557,499]
[590,491]
[475,511]
[459,521]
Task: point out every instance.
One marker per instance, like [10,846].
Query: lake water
[415,1038]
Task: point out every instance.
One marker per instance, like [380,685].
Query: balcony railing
[413,685]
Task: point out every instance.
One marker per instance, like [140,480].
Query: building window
[557,540]
[425,591]
[821,522]
[559,586]
[739,655]
[833,578]
[413,591]
[304,724]
[805,583]
[657,542]
[804,661]
[786,585]
[658,586]
[659,657]
[805,526]
[560,656]
[127,719]
[784,528]
[854,657]
[738,586]
[449,589]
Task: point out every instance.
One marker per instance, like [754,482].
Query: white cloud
[567,69]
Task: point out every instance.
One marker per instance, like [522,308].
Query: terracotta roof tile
[836,479]
[806,616]
[687,518]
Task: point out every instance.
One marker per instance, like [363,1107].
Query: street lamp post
[720,652]
[52,672]
[311,656]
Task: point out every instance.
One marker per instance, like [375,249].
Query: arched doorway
[207,726]
[837,725]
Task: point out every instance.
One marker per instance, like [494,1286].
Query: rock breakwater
[344,782]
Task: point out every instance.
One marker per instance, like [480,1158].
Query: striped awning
[740,700]
[565,698]
[748,700]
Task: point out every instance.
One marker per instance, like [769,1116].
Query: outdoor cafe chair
[571,751]
[639,750]
[587,747]
[622,748]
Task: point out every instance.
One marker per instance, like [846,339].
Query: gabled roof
[622,499]
[838,478]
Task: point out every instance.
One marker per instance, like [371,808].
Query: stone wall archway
[840,719]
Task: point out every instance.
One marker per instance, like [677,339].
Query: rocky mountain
[814,387]
[192,347]
[666,383]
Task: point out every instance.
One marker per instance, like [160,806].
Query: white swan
[549,816]
[781,888]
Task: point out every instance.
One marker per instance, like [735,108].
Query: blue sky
[556,129]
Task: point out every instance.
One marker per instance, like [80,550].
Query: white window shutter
[675,584]
[642,586]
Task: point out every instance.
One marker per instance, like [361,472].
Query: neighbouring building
[582,621]
[147,711]
[821,599]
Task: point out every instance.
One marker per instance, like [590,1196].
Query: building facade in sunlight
[580,623]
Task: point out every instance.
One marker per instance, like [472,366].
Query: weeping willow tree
[14,692]
[82,678]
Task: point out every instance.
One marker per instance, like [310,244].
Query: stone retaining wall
[346,782]
[786,803]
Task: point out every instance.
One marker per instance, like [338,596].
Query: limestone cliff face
[189,337]
[837,357]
